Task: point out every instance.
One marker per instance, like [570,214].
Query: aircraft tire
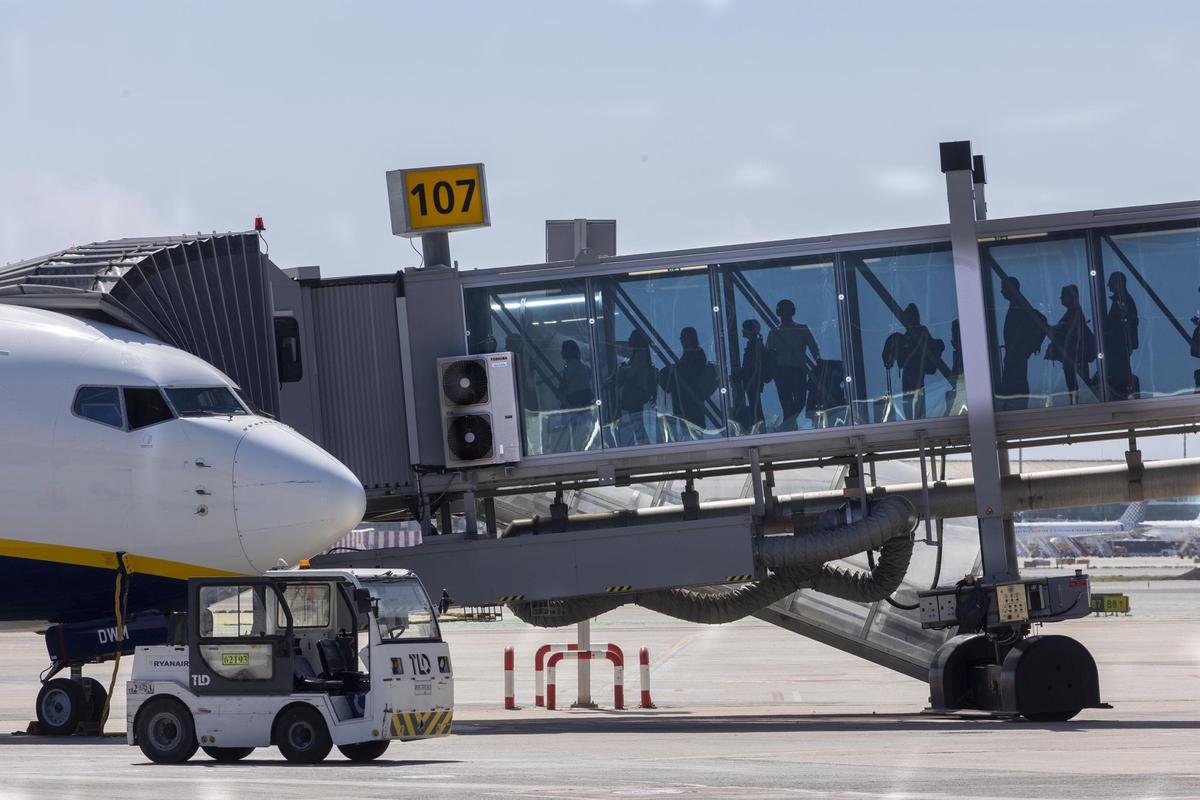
[364,751]
[61,706]
[98,695]
[227,755]
[165,731]
[302,735]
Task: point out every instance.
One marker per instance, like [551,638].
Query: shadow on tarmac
[775,723]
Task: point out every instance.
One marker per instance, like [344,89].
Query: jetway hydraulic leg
[994,664]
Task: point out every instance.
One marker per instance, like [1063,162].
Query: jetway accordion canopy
[206,294]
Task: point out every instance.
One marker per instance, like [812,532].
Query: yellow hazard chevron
[616,589]
[420,724]
[739,578]
[511,598]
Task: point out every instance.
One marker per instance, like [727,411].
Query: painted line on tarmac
[675,650]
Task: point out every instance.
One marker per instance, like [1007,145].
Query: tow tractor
[302,659]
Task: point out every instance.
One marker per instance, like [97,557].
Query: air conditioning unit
[480,418]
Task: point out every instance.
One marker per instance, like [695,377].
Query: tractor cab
[357,653]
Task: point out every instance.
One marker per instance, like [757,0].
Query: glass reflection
[1150,323]
[546,327]
[1034,281]
[657,333]
[903,322]
[782,328]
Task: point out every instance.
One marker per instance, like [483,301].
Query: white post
[584,665]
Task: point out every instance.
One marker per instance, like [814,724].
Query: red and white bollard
[510,695]
[644,682]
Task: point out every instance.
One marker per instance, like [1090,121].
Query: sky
[689,122]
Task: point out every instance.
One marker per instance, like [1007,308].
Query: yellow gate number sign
[432,199]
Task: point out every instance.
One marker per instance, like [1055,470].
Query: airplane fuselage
[117,451]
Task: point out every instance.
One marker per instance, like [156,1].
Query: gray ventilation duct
[796,561]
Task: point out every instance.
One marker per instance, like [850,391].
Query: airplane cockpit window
[101,404]
[208,401]
[146,407]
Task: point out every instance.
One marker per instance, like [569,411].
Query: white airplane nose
[291,498]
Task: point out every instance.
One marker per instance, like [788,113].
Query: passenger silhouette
[577,398]
[689,381]
[788,346]
[527,381]
[1025,329]
[917,354]
[1194,348]
[750,378]
[1072,343]
[636,386]
[1120,340]
[956,395]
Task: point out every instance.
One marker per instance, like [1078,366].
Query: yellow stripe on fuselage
[100,559]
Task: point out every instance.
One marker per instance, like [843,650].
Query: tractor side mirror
[362,599]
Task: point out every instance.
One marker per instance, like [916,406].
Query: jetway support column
[997,544]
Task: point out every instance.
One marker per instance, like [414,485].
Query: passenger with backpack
[788,347]
[917,354]
[636,387]
[750,378]
[1073,343]
[690,381]
[1025,329]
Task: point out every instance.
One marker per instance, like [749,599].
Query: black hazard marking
[739,578]
[618,589]
[511,598]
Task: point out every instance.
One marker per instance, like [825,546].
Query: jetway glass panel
[1150,276]
[1040,307]
[903,329]
[546,326]
[657,350]
[785,366]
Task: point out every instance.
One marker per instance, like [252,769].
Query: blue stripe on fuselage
[32,589]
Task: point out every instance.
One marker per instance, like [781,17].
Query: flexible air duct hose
[795,562]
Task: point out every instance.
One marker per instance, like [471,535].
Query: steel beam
[997,544]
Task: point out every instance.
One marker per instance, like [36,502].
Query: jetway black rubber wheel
[165,731]
[61,706]
[97,695]
[364,751]
[302,735]
[227,755]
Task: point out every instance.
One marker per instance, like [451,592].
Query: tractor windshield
[403,609]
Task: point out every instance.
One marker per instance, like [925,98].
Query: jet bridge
[850,351]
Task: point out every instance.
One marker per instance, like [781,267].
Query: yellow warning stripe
[511,598]
[418,724]
[102,559]
[617,589]
[739,578]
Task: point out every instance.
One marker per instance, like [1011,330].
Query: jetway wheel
[1049,679]
[227,755]
[61,705]
[364,751]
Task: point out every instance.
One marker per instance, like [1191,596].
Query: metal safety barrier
[539,664]
[618,662]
